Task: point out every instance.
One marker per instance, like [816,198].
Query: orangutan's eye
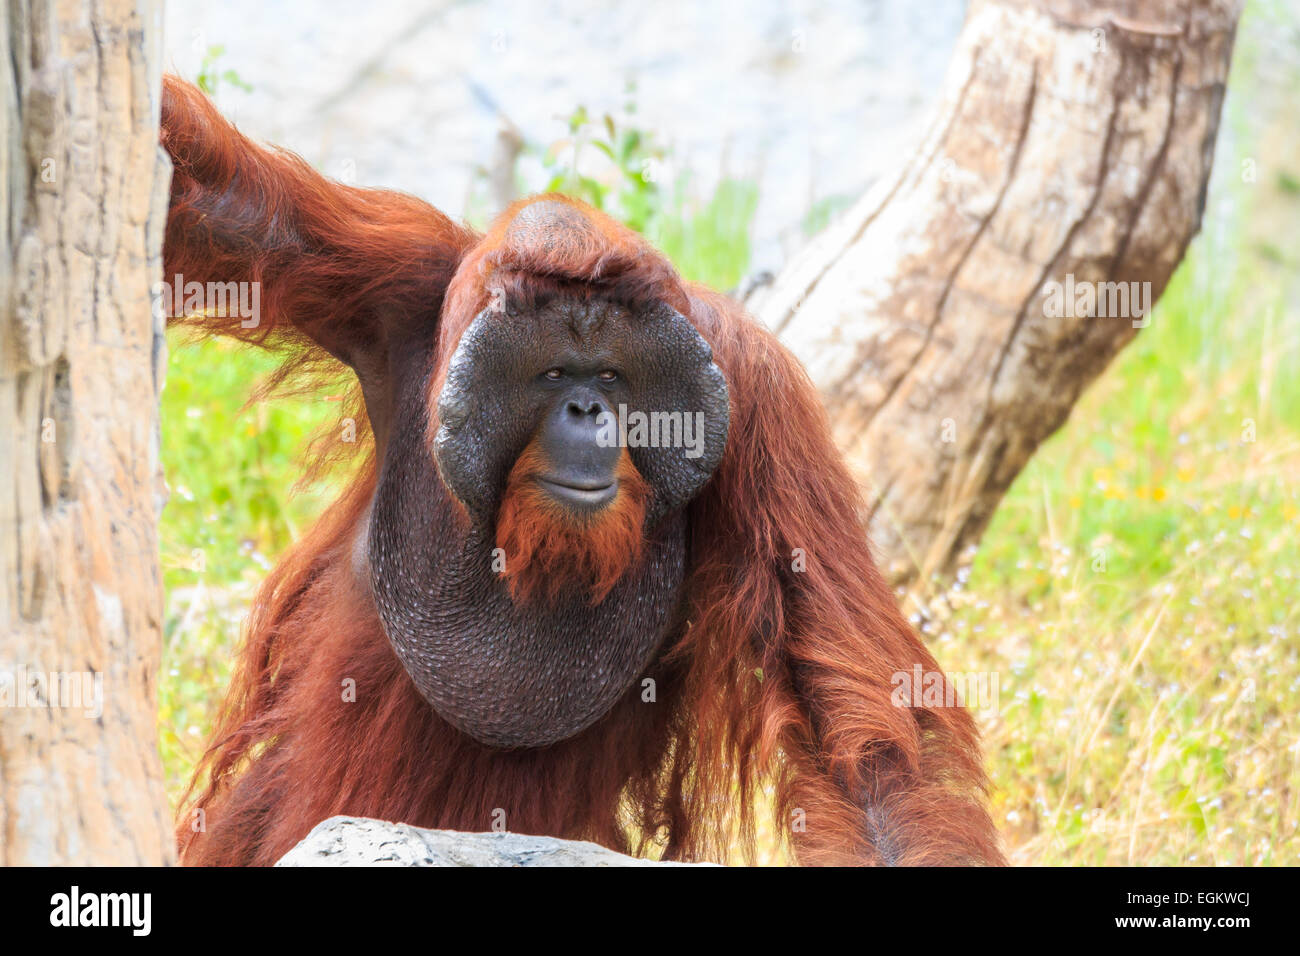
[555,374]
[608,375]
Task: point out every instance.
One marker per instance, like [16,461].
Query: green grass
[1137,589]
[1136,592]
[231,512]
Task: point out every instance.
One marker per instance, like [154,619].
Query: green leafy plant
[624,171]
[210,76]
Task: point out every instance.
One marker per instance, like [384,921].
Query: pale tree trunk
[81,360]
[1074,139]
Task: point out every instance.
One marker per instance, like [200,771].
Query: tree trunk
[1074,139]
[81,360]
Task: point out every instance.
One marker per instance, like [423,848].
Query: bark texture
[81,360]
[1074,139]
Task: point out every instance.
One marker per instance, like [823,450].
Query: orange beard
[549,549]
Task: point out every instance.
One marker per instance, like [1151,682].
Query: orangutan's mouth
[580,495]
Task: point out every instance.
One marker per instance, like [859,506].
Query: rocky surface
[813,100]
[356,841]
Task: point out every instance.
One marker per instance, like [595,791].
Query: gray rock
[357,841]
[811,100]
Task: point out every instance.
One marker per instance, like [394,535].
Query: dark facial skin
[581,475]
[527,676]
[498,392]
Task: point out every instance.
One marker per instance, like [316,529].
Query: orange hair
[778,678]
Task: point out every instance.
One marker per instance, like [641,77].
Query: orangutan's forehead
[584,321]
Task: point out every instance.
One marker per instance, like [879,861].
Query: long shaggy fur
[781,680]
